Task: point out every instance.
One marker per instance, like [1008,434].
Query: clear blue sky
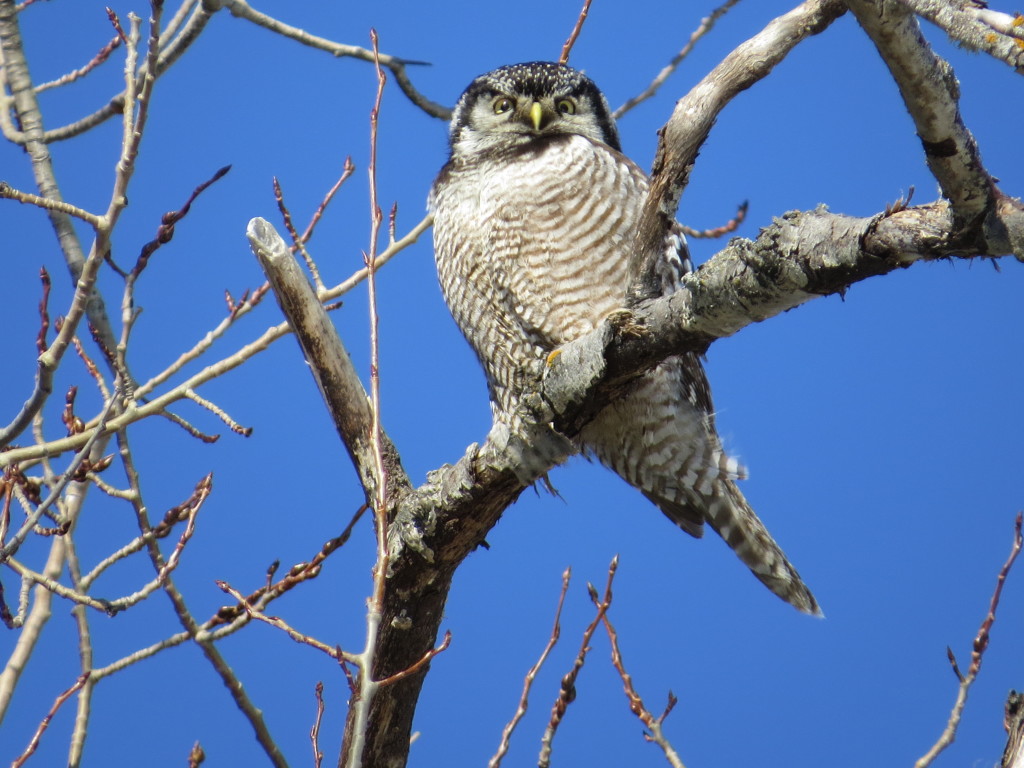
[883,431]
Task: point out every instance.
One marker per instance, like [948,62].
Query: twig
[16,541]
[571,40]
[44,314]
[368,687]
[297,242]
[423,661]
[347,171]
[252,713]
[636,704]
[397,66]
[556,631]
[70,77]
[219,412]
[276,621]
[567,692]
[165,232]
[702,29]
[45,723]
[198,17]
[978,650]
[730,226]
[189,427]
[314,732]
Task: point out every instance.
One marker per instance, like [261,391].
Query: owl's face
[516,105]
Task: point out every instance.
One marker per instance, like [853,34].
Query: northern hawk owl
[534,218]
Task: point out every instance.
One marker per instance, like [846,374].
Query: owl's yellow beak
[536,115]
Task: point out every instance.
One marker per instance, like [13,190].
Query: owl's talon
[625,322]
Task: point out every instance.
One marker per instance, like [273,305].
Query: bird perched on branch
[535,214]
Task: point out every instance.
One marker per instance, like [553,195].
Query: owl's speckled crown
[536,80]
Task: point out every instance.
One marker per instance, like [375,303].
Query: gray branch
[931,93]
[800,256]
[975,27]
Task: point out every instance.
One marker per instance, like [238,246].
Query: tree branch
[687,129]
[977,28]
[931,92]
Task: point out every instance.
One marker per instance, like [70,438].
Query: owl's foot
[625,323]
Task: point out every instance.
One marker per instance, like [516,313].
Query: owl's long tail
[661,439]
[729,513]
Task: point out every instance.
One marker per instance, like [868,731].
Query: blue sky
[882,431]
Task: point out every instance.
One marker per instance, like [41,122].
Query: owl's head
[515,105]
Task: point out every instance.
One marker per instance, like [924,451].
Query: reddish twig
[424,660]
[45,723]
[571,41]
[286,215]
[117,26]
[556,632]
[977,651]
[730,226]
[165,231]
[44,313]
[636,704]
[314,732]
[334,652]
[346,172]
[296,575]
[567,692]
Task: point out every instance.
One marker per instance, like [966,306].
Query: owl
[534,217]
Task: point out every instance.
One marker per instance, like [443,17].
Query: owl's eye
[566,106]
[502,105]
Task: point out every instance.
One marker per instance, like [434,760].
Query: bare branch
[636,704]
[34,743]
[931,94]
[275,621]
[556,631]
[567,691]
[571,40]
[12,546]
[335,376]
[705,26]
[188,622]
[46,203]
[730,226]
[688,128]
[314,733]
[101,56]
[980,644]
[169,53]
[972,25]
[243,10]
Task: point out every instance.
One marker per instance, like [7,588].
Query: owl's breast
[554,228]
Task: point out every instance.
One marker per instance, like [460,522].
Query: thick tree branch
[687,129]
[332,368]
[973,26]
[932,94]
